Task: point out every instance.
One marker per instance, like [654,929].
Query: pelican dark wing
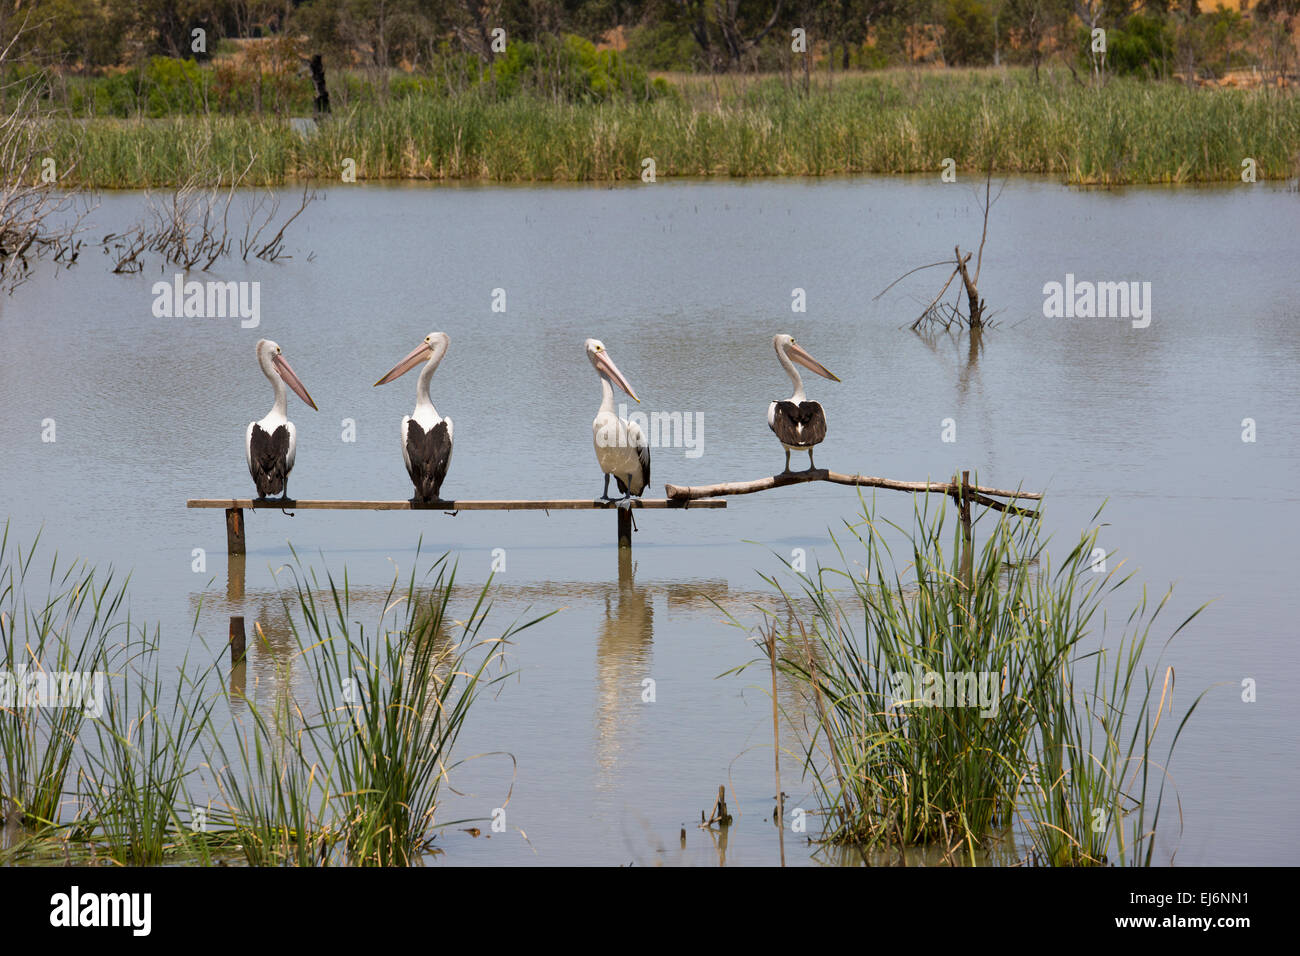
[268,459]
[799,424]
[637,439]
[428,454]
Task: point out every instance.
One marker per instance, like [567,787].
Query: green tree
[967,33]
[727,30]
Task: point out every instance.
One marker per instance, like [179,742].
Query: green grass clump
[158,766]
[354,776]
[1064,759]
[68,630]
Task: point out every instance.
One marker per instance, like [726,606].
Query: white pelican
[799,423]
[270,444]
[621,447]
[426,437]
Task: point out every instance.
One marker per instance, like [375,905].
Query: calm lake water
[686,283]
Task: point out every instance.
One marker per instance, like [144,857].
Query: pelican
[621,446]
[799,423]
[270,444]
[426,437]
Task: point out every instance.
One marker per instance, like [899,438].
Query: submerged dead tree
[321,102]
[941,314]
[39,218]
[191,227]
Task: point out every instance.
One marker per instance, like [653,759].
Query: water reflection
[999,850]
[623,615]
[968,346]
[624,642]
[718,838]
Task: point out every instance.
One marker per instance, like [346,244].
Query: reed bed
[356,777]
[70,629]
[1128,131]
[1063,756]
[343,765]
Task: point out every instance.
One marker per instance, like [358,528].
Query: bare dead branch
[985,495]
[943,262]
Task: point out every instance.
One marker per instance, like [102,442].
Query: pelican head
[786,345]
[434,347]
[274,364]
[605,366]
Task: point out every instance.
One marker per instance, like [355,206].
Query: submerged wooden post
[236,639]
[236,568]
[624,527]
[234,531]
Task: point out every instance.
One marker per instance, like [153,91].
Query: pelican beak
[290,379]
[419,354]
[808,362]
[606,364]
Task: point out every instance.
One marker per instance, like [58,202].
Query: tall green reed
[360,762]
[63,625]
[134,788]
[947,714]
[348,769]
[1129,131]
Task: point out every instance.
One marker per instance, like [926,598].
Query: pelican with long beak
[621,446]
[426,436]
[271,444]
[799,423]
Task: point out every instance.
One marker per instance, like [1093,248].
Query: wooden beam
[559,504]
[699,493]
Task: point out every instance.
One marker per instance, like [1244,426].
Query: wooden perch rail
[954,488]
[558,504]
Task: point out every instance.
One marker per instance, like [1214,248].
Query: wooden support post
[624,568]
[236,640]
[234,531]
[624,527]
[236,568]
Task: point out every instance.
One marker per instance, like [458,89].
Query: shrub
[1142,45]
[569,69]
